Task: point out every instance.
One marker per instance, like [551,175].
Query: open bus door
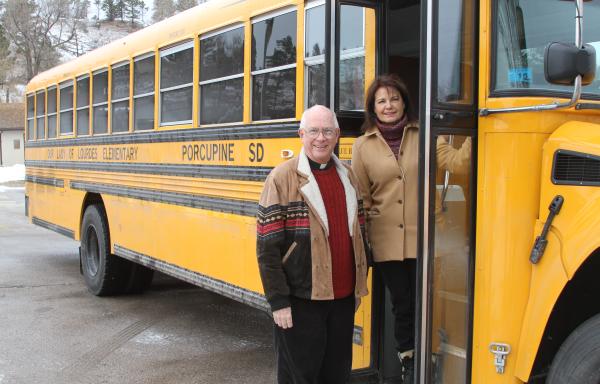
[448,101]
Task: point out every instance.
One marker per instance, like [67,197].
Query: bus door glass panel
[356,55]
[450,257]
[314,54]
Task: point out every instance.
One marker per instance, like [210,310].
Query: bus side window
[119,88]
[274,67]
[30,117]
[100,102]
[143,93]
[51,112]
[83,106]
[66,108]
[222,77]
[176,83]
[40,111]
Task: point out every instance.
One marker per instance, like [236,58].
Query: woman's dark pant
[318,348]
[399,277]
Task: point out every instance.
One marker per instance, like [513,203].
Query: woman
[385,160]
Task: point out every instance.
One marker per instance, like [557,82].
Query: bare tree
[182,5]
[38,29]
[162,9]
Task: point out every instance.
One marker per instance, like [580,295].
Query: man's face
[320,135]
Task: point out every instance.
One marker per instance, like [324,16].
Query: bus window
[66,108]
[40,110]
[455,53]
[120,98]
[176,80]
[143,93]
[52,112]
[352,58]
[314,55]
[274,67]
[30,116]
[83,106]
[521,35]
[222,77]
[100,102]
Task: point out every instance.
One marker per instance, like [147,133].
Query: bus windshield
[522,31]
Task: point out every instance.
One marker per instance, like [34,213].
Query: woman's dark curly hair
[387,81]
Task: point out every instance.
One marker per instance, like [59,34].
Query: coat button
[401,225]
[399,177]
[400,201]
[401,153]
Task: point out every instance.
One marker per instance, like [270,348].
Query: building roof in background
[11,116]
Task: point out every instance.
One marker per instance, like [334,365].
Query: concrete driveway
[52,330]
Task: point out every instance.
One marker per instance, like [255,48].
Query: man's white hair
[312,109]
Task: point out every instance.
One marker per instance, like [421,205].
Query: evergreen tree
[121,9]
[133,11]
[162,9]
[110,9]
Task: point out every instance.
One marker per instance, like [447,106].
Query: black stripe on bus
[187,170]
[45,181]
[219,286]
[238,207]
[53,227]
[241,132]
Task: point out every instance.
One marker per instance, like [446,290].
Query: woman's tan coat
[390,192]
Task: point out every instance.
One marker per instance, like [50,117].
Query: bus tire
[104,274]
[140,278]
[578,359]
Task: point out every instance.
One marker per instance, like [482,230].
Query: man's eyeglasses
[314,132]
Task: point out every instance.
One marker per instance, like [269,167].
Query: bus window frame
[137,58]
[94,105]
[88,105]
[55,113]
[165,51]
[37,115]
[521,92]
[257,19]
[208,35]
[114,66]
[65,84]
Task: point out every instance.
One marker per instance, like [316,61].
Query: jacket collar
[312,194]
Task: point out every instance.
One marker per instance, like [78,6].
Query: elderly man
[311,256]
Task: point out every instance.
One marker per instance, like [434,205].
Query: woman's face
[389,107]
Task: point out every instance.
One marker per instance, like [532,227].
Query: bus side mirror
[564,62]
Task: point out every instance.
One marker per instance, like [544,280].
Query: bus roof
[183,26]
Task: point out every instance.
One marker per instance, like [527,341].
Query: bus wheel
[140,278]
[578,358]
[104,274]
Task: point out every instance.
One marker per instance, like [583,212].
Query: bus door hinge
[500,351]
[540,242]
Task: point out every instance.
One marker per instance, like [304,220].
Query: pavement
[52,330]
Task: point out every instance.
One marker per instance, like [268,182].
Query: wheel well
[90,198]
[577,303]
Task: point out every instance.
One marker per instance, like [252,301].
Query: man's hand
[283,317]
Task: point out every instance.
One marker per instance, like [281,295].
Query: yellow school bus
[152,152]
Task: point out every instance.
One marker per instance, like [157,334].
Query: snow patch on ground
[12,173]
